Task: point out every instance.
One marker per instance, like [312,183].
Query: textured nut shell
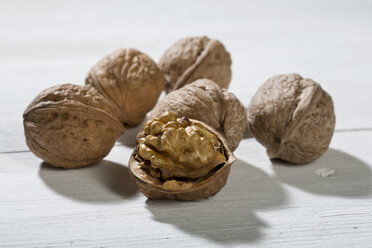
[203,100]
[130,80]
[152,189]
[70,126]
[293,118]
[194,58]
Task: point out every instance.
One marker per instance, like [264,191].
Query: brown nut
[194,58]
[130,80]
[203,100]
[180,159]
[70,126]
[293,117]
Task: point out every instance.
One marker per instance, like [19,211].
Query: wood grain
[264,203]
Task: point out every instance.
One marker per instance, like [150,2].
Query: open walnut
[130,80]
[71,126]
[203,100]
[194,58]
[180,159]
[293,117]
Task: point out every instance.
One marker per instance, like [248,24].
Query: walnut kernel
[176,148]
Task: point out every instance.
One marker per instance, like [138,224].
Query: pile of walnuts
[184,151]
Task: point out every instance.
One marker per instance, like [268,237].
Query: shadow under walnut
[229,217]
[351,178]
[104,183]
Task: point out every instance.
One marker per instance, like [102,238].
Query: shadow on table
[247,134]
[106,182]
[352,176]
[129,137]
[227,217]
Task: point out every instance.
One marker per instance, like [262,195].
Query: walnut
[70,126]
[130,80]
[180,158]
[194,58]
[293,117]
[203,100]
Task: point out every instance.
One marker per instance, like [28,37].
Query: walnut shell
[130,80]
[203,100]
[153,189]
[293,117]
[194,58]
[70,126]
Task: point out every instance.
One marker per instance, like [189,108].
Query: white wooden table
[264,204]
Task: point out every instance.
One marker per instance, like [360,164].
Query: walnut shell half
[130,80]
[205,101]
[293,117]
[154,186]
[70,126]
[194,58]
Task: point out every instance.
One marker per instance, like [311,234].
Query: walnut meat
[178,149]
[194,58]
[293,117]
[71,126]
[180,158]
[130,80]
[203,100]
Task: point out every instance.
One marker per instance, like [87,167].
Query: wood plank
[264,204]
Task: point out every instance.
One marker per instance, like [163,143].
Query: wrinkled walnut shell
[70,126]
[293,117]
[130,80]
[194,58]
[203,100]
[153,189]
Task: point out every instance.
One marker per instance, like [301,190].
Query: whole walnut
[194,58]
[293,117]
[180,159]
[71,126]
[205,101]
[130,80]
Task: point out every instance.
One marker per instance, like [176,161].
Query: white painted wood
[43,43]
[262,204]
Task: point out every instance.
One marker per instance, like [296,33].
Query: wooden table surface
[264,204]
